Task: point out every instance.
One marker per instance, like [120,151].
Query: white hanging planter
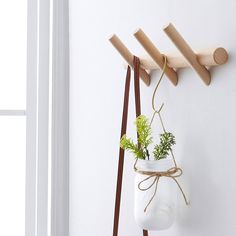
[160,214]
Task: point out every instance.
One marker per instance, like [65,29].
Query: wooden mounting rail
[128,56]
[207,57]
[188,53]
[155,55]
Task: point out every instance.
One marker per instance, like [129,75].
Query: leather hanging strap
[137,99]
[136,64]
[137,87]
[121,155]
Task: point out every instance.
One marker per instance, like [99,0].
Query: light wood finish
[128,56]
[188,53]
[155,55]
[209,58]
[212,57]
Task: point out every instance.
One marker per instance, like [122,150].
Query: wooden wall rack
[200,61]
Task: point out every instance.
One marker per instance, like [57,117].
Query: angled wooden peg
[188,53]
[128,56]
[156,55]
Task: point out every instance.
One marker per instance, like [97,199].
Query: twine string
[173,172]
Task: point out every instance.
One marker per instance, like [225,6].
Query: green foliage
[162,150]
[128,144]
[140,149]
[144,139]
[144,131]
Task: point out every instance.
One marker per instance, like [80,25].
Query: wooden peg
[208,57]
[188,53]
[155,54]
[128,56]
[212,57]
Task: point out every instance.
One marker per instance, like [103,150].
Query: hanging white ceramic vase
[160,213]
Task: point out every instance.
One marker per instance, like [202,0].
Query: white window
[13,48]
[34,91]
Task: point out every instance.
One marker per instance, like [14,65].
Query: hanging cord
[154,95]
[173,172]
[155,111]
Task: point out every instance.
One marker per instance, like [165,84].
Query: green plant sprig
[162,150]
[140,149]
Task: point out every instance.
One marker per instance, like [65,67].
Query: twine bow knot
[172,173]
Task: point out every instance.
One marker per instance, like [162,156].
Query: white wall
[202,118]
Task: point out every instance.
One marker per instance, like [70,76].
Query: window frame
[37,105]
[60,119]
[47,39]
[47,94]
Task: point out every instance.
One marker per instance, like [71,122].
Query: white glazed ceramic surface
[160,214]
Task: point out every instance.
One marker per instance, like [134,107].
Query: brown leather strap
[137,99]
[123,131]
[121,155]
[137,86]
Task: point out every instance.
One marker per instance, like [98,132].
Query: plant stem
[148,155]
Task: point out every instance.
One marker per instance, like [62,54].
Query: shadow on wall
[201,216]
